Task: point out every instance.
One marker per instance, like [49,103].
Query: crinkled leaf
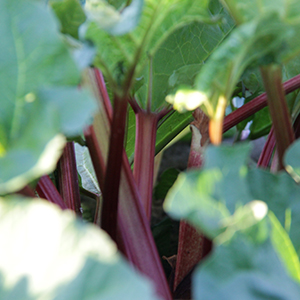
[243,269]
[38,100]
[251,43]
[179,59]
[61,257]
[118,55]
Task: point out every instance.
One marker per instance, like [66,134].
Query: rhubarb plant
[190,53]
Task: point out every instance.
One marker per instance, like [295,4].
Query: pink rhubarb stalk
[146,127]
[267,152]
[47,190]
[256,105]
[68,179]
[281,119]
[134,237]
[113,169]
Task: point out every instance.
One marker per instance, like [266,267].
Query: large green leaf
[267,33]
[214,196]
[229,205]
[246,269]
[179,59]
[49,254]
[39,98]
[247,44]
[193,191]
[127,55]
[205,198]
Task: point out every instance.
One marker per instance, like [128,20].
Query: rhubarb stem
[113,169]
[47,190]
[146,126]
[68,179]
[256,105]
[283,129]
[267,152]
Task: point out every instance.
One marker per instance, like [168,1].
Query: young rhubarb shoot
[283,129]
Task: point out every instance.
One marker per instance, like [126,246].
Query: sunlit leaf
[49,254]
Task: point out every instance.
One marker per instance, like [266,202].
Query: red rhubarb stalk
[68,179]
[280,116]
[146,126]
[267,152]
[256,105]
[47,190]
[113,169]
[134,237]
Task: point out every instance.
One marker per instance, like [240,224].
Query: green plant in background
[191,53]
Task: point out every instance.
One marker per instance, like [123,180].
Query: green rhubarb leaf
[61,257]
[127,55]
[230,205]
[179,59]
[193,191]
[40,101]
[245,11]
[267,33]
[261,124]
[244,268]
[70,15]
[206,197]
[170,128]
[281,194]
[164,183]
[251,43]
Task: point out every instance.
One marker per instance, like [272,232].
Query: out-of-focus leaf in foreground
[46,253]
[254,251]
[39,98]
